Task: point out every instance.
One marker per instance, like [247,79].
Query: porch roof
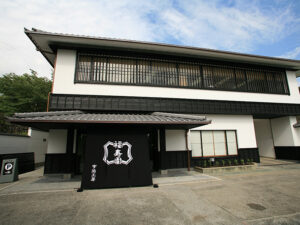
[47,120]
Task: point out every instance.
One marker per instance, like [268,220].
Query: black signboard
[116,158]
[8,168]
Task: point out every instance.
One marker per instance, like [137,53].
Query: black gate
[116,157]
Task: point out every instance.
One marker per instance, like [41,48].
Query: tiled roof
[106,118]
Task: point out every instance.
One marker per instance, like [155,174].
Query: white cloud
[292,54]
[236,26]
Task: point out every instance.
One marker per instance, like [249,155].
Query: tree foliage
[25,93]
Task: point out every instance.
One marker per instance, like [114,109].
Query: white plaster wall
[264,137]
[243,124]
[295,131]
[13,144]
[64,84]
[175,140]
[282,131]
[36,142]
[65,72]
[57,141]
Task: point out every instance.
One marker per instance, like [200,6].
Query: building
[181,104]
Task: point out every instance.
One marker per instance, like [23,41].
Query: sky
[262,27]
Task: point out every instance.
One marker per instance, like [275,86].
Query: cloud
[233,25]
[292,54]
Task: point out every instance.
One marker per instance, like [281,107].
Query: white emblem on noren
[118,145]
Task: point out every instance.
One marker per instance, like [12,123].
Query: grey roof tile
[80,116]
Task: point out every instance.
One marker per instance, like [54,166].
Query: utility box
[9,170]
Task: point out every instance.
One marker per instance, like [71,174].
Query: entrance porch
[86,143]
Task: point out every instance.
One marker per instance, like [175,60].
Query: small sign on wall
[9,170]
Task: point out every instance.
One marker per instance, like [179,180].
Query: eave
[44,42]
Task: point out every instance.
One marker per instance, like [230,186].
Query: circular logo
[8,166]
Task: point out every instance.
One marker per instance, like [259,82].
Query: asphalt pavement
[268,195]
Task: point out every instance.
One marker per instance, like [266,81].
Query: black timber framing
[60,163]
[172,105]
[179,159]
[162,139]
[287,152]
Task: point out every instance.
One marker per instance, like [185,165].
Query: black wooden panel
[176,159]
[141,104]
[60,163]
[243,153]
[25,160]
[288,152]
[249,153]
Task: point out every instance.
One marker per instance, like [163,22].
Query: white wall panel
[295,131]
[264,137]
[243,124]
[64,73]
[175,140]
[57,141]
[36,142]
[282,131]
[13,144]
[195,143]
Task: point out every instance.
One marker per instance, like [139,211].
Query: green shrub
[229,162]
[242,162]
[204,164]
[235,162]
[223,162]
[217,163]
[209,163]
[251,161]
[248,161]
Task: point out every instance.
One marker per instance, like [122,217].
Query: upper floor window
[93,68]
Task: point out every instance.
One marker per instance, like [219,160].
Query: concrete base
[64,176]
[163,172]
[225,169]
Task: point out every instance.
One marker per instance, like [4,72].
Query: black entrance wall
[108,161]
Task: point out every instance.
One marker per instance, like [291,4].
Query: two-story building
[180,105]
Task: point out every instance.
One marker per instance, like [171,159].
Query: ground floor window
[210,143]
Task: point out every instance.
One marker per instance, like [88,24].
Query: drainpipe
[188,151]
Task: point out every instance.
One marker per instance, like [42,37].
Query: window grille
[111,69]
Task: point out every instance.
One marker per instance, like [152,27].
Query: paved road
[269,195]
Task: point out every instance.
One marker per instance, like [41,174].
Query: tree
[25,93]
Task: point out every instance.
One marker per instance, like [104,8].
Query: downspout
[188,151]
[48,101]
